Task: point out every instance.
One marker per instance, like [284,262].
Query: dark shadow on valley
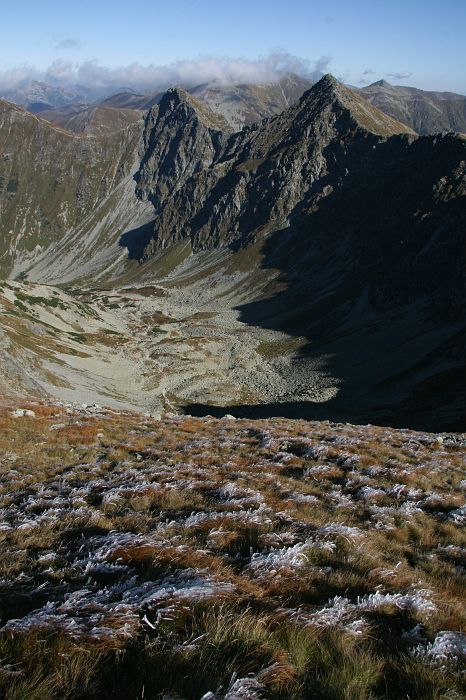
[378,294]
[136,240]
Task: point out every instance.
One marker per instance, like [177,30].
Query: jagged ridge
[221,190]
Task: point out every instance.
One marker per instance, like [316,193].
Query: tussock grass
[295,559]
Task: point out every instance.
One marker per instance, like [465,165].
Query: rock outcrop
[223,190]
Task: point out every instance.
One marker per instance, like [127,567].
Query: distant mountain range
[426,112]
[240,105]
[246,104]
[36,96]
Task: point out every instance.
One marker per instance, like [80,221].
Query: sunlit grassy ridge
[249,559]
[51,179]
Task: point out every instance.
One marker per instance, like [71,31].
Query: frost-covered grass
[231,559]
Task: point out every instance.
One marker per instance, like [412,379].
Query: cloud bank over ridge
[187,72]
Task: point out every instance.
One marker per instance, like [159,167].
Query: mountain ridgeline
[425,111]
[229,189]
[331,172]
[242,104]
[355,220]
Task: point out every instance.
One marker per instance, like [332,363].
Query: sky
[122,43]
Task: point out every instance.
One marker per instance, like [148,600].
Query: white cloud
[188,72]
[400,76]
[69,43]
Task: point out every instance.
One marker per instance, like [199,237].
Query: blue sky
[413,42]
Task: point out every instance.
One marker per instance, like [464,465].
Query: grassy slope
[304,559]
[51,179]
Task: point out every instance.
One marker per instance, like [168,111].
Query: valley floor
[150,346]
[224,332]
[204,558]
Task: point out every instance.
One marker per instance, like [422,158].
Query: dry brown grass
[248,546]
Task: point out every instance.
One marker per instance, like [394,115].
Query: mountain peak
[327,82]
[381,83]
[330,92]
[326,91]
[175,96]
[329,79]
[177,99]
[328,88]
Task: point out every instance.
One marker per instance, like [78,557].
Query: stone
[23,412]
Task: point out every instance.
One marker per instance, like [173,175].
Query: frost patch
[239,689]
[445,647]
[340,529]
[294,557]
[341,612]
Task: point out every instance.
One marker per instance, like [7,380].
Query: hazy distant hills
[94,119]
[424,111]
[132,100]
[239,104]
[36,96]
[246,104]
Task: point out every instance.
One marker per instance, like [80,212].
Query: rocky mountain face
[364,219]
[222,189]
[424,111]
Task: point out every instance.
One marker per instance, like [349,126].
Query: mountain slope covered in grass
[427,112]
[52,180]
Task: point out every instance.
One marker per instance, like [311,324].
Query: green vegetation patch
[43,301]
[271,349]
[12,185]
[156,329]
[77,337]
[20,305]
